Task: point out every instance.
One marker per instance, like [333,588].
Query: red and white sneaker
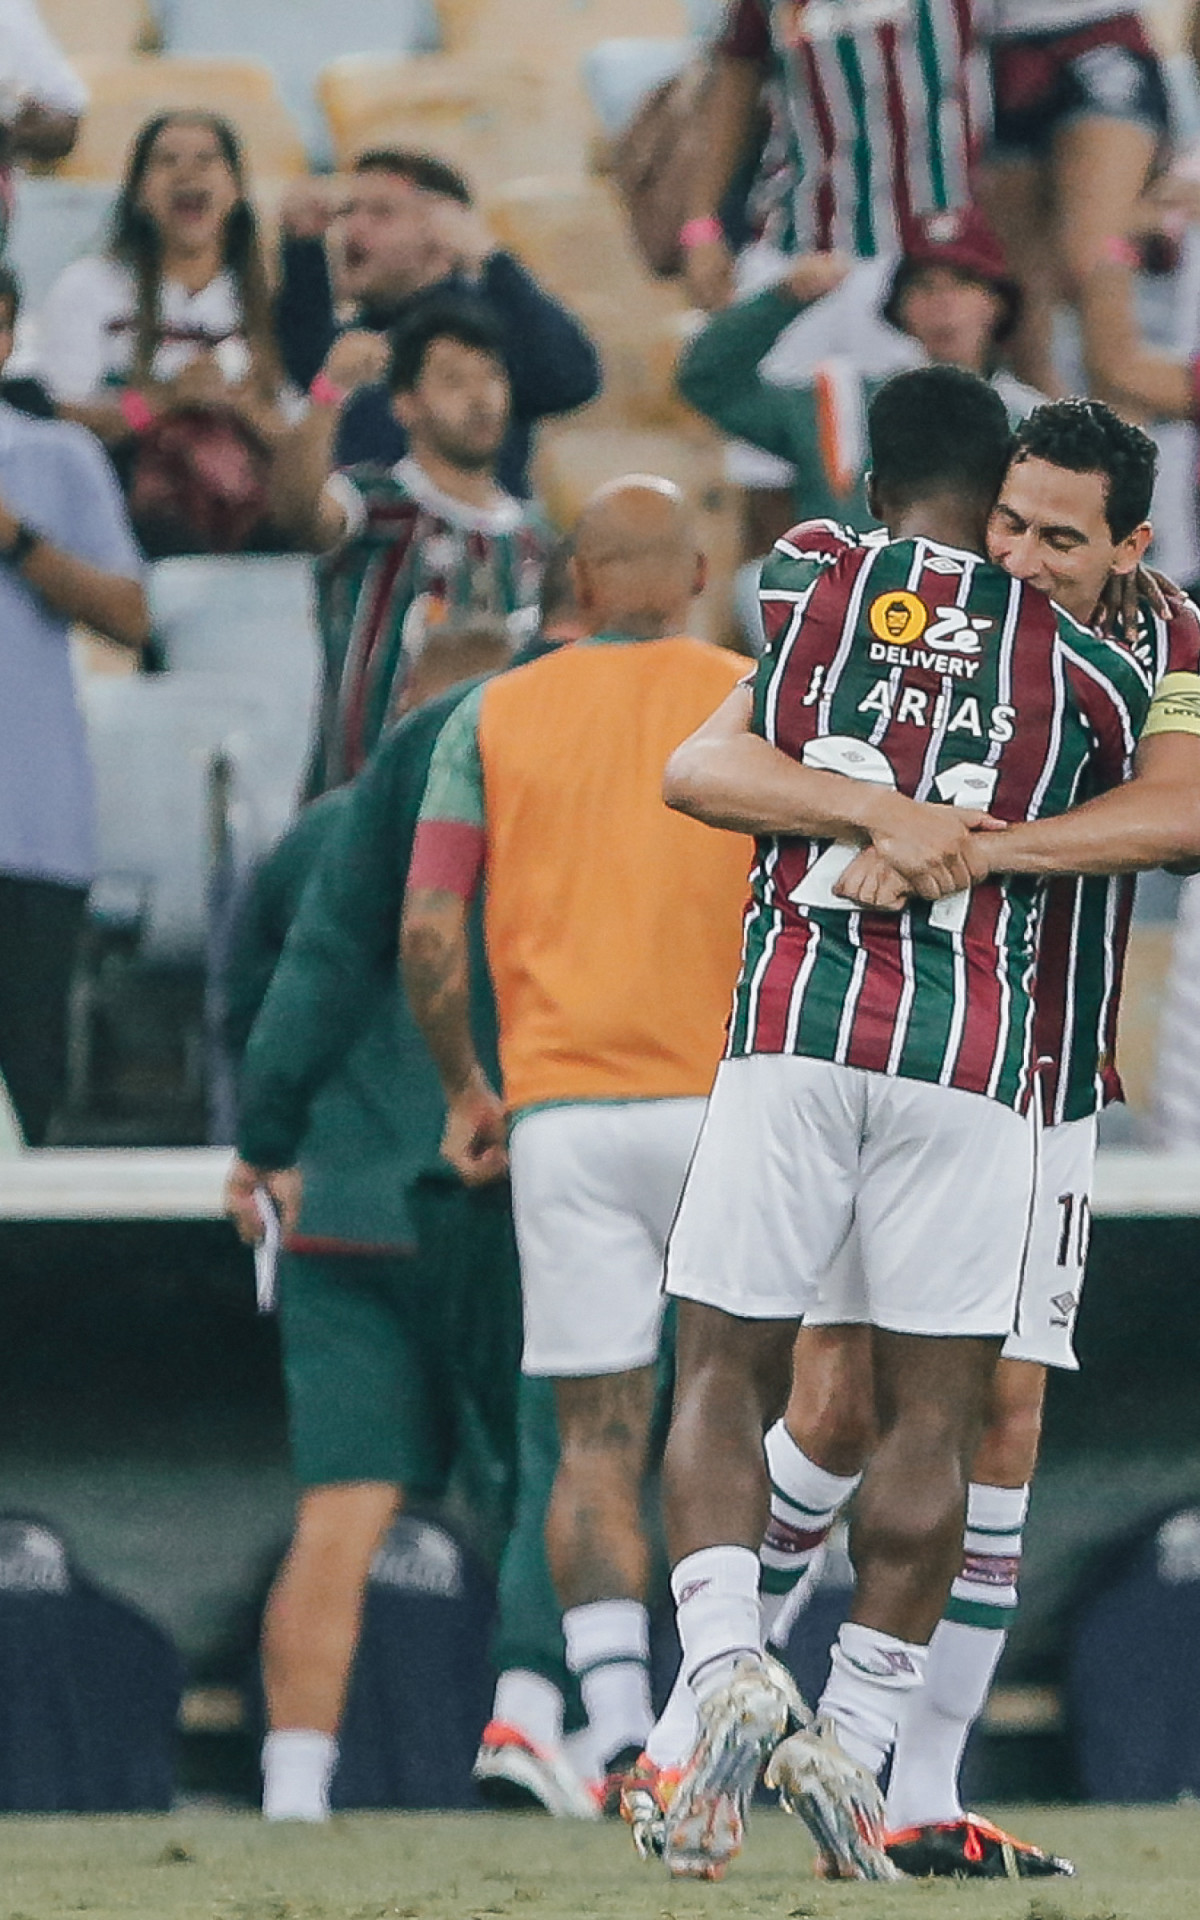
[645,1799]
[513,1774]
[971,1849]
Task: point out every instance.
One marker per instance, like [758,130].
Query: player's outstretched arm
[1152,821]
[728,777]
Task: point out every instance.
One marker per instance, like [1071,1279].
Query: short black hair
[446,317]
[1085,436]
[423,170]
[937,430]
[10,289]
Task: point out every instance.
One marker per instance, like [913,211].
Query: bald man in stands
[613,934]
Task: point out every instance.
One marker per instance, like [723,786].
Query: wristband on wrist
[325,392]
[136,410]
[700,233]
[23,542]
[1119,252]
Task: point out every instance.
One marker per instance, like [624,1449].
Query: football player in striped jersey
[1071,515]
[886,1064]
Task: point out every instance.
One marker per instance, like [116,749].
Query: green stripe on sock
[814,1513]
[612,1660]
[978,1613]
[779,1579]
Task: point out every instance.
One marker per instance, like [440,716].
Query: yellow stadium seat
[488,117]
[110,28]
[124,93]
[640,351]
[573,460]
[573,234]
[561,29]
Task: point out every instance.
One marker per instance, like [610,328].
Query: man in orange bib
[613,933]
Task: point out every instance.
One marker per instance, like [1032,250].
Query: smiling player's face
[1048,528]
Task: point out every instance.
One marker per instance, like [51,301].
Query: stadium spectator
[949,301]
[66,554]
[1081,118]
[405,226]
[41,96]
[164,344]
[876,119]
[400,545]
[606,1055]
[382,1389]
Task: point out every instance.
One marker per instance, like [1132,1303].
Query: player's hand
[200,384]
[282,1183]
[310,205]
[708,275]
[869,882]
[929,846]
[1117,611]
[463,233]
[815,274]
[357,359]
[475,1140]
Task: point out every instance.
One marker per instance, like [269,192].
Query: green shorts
[394,1365]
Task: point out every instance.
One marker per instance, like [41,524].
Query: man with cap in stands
[947,300]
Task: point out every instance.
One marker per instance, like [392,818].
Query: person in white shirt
[176,314]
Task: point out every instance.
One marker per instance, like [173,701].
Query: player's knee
[342,1523]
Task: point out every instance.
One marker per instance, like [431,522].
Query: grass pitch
[1134,1864]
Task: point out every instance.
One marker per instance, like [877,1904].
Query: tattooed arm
[443,875]
[437,978]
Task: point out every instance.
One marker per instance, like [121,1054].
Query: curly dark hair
[440,316]
[1085,436]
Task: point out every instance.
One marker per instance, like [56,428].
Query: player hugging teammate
[868,1162]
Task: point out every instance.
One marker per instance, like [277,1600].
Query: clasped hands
[919,849]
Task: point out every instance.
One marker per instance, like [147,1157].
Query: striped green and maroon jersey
[1085,932]
[923,668]
[880,108]
[411,555]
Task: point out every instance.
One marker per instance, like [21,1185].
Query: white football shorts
[1048,1293]
[595,1188]
[796,1155]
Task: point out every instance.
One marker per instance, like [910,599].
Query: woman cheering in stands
[163,344]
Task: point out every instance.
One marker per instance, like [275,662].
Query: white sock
[297,1766]
[608,1647]
[805,1502]
[530,1703]
[677,1728]
[716,1610]
[963,1655]
[870,1683]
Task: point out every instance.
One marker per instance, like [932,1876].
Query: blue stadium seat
[1133,1686]
[54,222]
[297,38]
[242,661]
[89,1688]
[618,74]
